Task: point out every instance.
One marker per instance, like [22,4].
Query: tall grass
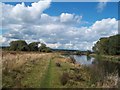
[16,65]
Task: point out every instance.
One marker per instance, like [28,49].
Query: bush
[72,59]
[76,70]
[78,78]
[64,78]
[58,64]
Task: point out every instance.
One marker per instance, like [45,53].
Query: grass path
[51,79]
[45,83]
[43,75]
[34,77]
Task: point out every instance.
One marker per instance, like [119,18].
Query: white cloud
[66,17]
[21,13]
[101,5]
[56,45]
[55,31]
[2,39]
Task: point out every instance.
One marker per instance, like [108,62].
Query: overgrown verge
[22,70]
[112,58]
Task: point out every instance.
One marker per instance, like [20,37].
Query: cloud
[21,13]
[67,18]
[101,5]
[55,31]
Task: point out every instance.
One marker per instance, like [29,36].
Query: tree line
[21,45]
[108,45]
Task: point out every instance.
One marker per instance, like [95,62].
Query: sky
[60,25]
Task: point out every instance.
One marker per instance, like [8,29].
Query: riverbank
[41,70]
[47,70]
[112,58]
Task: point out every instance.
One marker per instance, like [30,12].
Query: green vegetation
[21,45]
[33,46]
[40,71]
[88,52]
[78,52]
[43,48]
[52,70]
[64,78]
[108,46]
[112,58]
[45,83]
[49,70]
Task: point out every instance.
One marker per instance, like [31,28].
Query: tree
[43,48]
[19,45]
[88,52]
[109,46]
[78,53]
[114,45]
[104,45]
[33,46]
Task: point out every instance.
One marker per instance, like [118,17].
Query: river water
[100,68]
[105,65]
[83,59]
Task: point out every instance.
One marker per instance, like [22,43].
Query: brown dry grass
[13,60]
[16,66]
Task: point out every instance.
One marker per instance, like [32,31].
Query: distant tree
[114,45]
[102,46]
[43,48]
[33,46]
[78,53]
[5,48]
[19,45]
[48,50]
[88,52]
[110,45]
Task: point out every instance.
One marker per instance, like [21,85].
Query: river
[99,68]
[104,65]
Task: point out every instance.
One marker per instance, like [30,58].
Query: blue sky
[87,9]
[65,25]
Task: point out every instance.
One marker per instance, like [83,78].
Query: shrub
[72,59]
[64,78]
[76,70]
[58,64]
[78,78]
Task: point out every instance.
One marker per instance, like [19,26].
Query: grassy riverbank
[113,58]
[44,70]
[36,70]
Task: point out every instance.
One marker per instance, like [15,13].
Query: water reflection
[100,69]
[83,59]
[107,66]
